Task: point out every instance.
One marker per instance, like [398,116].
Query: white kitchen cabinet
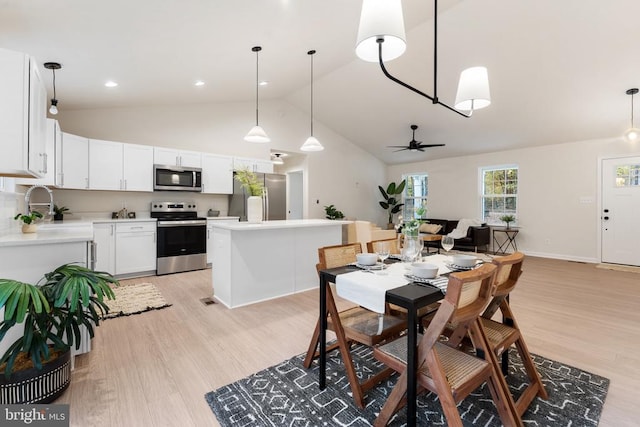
[105,165]
[172,157]
[120,166]
[105,250]
[217,174]
[210,223]
[23,116]
[253,165]
[52,139]
[72,162]
[135,247]
[137,162]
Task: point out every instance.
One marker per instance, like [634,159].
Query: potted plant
[332,213]
[53,313]
[391,202]
[255,189]
[507,219]
[28,221]
[58,212]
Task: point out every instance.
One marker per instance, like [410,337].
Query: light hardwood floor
[153,369]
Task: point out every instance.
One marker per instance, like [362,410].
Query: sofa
[477,236]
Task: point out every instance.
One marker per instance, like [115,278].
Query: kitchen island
[258,262]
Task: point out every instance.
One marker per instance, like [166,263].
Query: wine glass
[383,253]
[447,243]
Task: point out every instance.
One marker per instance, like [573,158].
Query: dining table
[372,288]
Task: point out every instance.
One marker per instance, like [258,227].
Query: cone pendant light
[312,143]
[257,134]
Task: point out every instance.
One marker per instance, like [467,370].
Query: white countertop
[108,221]
[269,225]
[223,218]
[50,233]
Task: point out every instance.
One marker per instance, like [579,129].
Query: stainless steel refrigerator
[274,200]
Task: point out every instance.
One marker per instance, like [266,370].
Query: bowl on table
[367,259]
[463,260]
[424,270]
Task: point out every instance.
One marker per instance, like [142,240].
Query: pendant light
[257,134]
[53,66]
[633,133]
[382,25]
[312,143]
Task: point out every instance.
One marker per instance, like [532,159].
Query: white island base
[258,262]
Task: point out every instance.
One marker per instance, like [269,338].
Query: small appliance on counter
[212,213]
[182,237]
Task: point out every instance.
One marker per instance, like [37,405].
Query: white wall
[343,174]
[552,180]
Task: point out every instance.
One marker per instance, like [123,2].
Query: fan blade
[396,146]
[402,149]
[431,145]
[420,149]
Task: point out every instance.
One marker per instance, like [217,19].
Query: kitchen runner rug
[287,395]
[134,299]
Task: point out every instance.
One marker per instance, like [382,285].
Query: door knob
[606,218]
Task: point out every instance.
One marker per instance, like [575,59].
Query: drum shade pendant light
[53,66]
[381,37]
[257,134]
[633,133]
[312,143]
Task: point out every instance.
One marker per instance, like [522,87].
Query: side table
[501,246]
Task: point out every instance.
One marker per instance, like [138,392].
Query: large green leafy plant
[250,182]
[53,311]
[391,202]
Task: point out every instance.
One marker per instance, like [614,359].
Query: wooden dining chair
[443,368]
[355,324]
[502,335]
[376,245]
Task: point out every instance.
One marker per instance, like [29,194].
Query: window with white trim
[628,176]
[499,193]
[415,195]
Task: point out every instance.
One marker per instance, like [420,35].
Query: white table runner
[368,289]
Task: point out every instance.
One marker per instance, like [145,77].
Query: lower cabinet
[126,248]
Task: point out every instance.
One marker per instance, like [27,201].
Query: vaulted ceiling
[558,70]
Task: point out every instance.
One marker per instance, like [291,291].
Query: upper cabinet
[217,174]
[171,157]
[72,162]
[105,165]
[23,116]
[52,140]
[120,166]
[137,163]
[253,165]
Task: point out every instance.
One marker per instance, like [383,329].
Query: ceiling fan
[413,144]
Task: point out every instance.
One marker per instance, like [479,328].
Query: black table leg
[411,367]
[323,333]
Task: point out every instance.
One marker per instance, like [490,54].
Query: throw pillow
[430,228]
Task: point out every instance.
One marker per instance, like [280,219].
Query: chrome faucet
[27,197]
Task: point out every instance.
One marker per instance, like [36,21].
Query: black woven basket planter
[37,386]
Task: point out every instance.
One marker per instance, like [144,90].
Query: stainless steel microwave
[176,178]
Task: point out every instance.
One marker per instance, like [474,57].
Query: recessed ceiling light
[199,83]
[111,83]
[264,83]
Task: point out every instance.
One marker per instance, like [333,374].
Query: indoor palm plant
[53,313]
[391,202]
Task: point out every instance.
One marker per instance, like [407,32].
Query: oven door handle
[193,223]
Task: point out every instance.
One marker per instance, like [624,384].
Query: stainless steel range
[182,237]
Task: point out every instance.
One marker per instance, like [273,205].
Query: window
[628,176]
[415,195]
[499,193]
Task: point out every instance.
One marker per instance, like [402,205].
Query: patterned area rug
[288,395]
[134,299]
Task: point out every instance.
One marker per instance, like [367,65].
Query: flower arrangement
[507,219]
[412,226]
[250,182]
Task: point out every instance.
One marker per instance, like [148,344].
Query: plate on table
[376,266]
[439,282]
[459,267]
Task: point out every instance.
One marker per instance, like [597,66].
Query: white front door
[621,210]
